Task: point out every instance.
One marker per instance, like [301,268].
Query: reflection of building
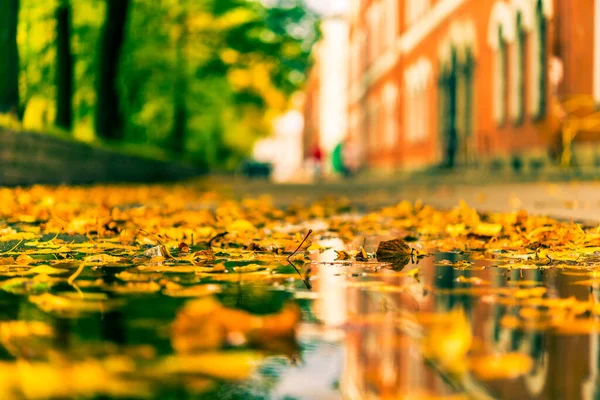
[466,81]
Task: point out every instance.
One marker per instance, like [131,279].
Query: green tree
[108,120]
[179,94]
[9,67]
[64,66]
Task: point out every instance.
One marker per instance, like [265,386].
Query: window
[538,64]
[597,51]
[390,101]
[500,80]
[517,97]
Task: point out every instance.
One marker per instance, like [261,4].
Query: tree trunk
[9,66]
[64,67]
[179,106]
[108,116]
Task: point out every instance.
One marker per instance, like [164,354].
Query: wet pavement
[483,322]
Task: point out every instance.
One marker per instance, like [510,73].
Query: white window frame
[390,28]
[390,102]
[596,79]
[417,83]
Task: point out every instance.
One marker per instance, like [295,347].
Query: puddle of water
[358,338]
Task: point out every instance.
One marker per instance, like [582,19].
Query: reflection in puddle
[382,335]
[446,325]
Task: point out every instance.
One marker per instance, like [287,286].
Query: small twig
[14,247]
[76,274]
[155,237]
[306,282]
[217,236]
[300,245]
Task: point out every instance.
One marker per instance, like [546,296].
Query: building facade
[466,82]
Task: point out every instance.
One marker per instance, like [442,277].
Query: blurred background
[297,90]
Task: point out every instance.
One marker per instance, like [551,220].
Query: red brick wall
[569,37]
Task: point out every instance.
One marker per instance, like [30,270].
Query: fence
[28,158]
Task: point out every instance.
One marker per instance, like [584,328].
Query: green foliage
[230,65]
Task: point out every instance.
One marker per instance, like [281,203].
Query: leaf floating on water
[396,252]
[193,291]
[24,259]
[7,261]
[362,255]
[69,306]
[46,269]
[229,365]
[501,366]
[102,258]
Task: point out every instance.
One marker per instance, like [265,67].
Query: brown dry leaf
[396,252]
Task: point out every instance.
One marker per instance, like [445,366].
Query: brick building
[462,82]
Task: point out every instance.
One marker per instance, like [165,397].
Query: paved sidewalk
[577,200]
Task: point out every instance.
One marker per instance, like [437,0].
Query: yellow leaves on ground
[241,225]
[70,252]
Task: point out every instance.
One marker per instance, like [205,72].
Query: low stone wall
[29,158]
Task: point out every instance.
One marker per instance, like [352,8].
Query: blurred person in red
[317,157]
